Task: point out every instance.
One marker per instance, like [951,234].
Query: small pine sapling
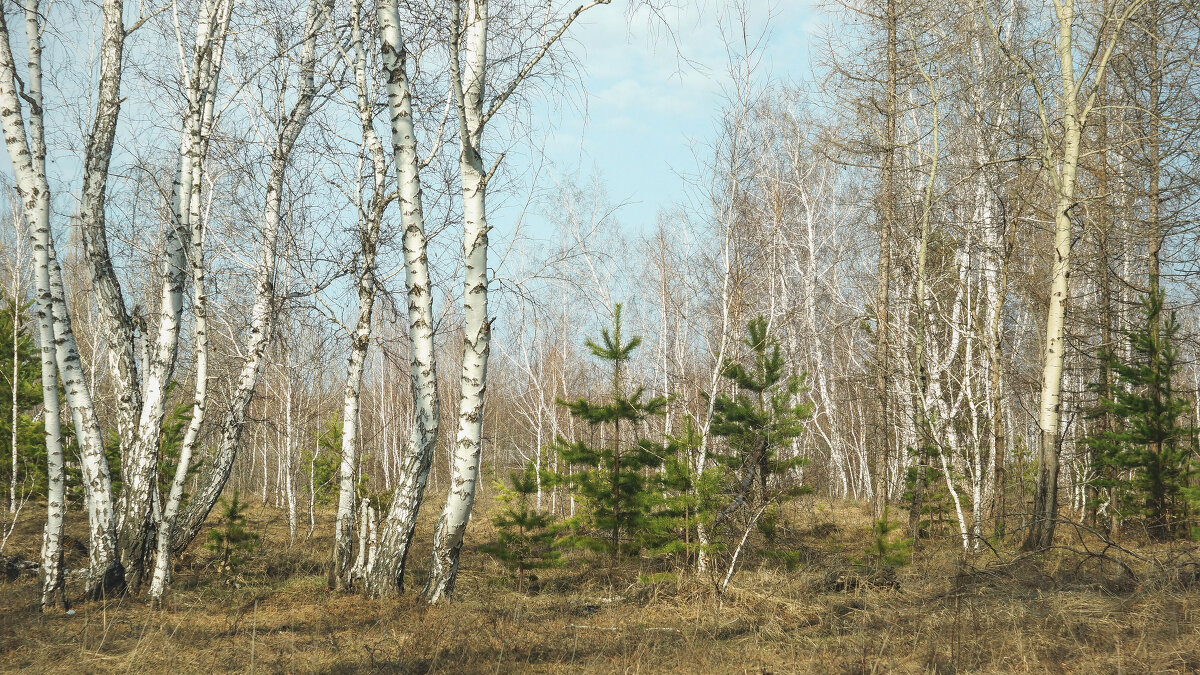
[614,478]
[757,424]
[170,443]
[1145,462]
[526,535]
[324,462]
[30,446]
[885,549]
[673,530]
[230,539]
[925,488]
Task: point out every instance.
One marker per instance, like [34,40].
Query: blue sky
[649,101]
[645,102]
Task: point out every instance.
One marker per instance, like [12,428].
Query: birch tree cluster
[258,255]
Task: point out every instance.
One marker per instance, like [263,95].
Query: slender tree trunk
[468,74]
[1045,499]
[262,315]
[162,563]
[27,155]
[1154,234]
[51,571]
[1062,170]
[468,69]
[139,522]
[210,44]
[924,425]
[116,327]
[370,216]
[386,576]
[14,390]
[887,217]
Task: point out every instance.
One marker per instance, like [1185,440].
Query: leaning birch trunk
[139,499]
[115,324]
[468,71]
[137,524]
[162,561]
[211,32]
[35,197]
[1062,171]
[344,528]
[262,315]
[370,216]
[27,155]
[106,576]
[385,576]
[467,68]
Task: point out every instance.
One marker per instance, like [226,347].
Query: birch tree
[1074,98]
[212,29]
[265,307]
[385,576]
[468,79]
[27,153]
[29,164]
[370,215]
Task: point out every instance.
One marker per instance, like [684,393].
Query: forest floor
[1067,610]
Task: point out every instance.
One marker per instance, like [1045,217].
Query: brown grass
[1061,612]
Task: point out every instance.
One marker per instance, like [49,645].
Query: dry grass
[950,614]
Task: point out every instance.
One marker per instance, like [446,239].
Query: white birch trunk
[210,44]
[27,154]
[14,391]
[370,216]
[386,576]
[35,196]
[138,521]
[116,328]
[1062,167]
[262,315]
[288,445]
[468,69]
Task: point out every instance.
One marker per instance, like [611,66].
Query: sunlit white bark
[386,576]
[369,215]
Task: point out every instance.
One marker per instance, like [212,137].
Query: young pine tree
[230,539]
[758,423]
[526,540]
[325,462]
[174,426]
[1145,461]
[621,502]
[754,474]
